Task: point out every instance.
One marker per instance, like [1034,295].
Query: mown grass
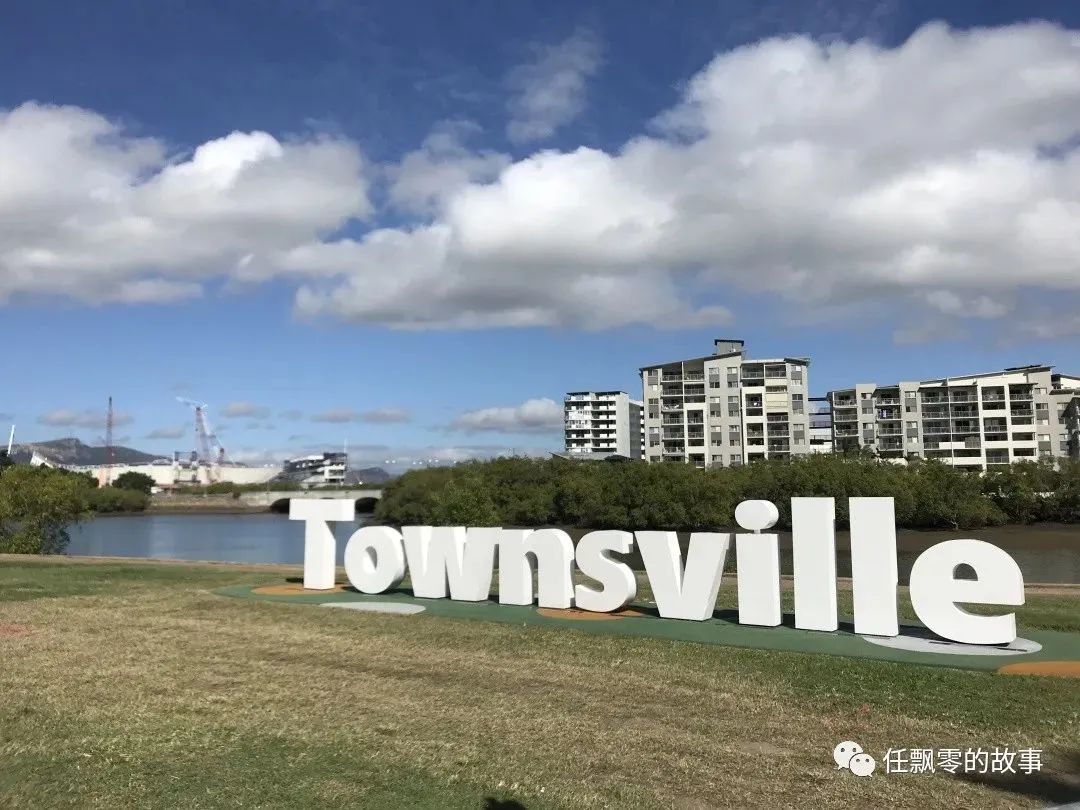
[137,686]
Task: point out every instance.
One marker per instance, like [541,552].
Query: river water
[1044,553]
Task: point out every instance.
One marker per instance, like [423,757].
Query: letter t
[320,545]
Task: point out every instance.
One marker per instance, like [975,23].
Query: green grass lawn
[133,685]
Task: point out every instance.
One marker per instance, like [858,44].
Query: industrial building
[601,424]
[973,421]
[726,410]
[317,469]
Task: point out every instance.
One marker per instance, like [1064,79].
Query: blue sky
[406,225]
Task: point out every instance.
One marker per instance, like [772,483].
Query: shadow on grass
[491,803]
[1057,788]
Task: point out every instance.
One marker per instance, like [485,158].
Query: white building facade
[975,421]
[602,423]
[725,410]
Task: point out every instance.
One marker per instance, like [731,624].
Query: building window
[734,428]
[735,441]
[736,458]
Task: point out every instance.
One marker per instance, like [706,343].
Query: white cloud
[424,179]
[898,180]
[386,415]
[175,432]
[532,416]
[934,180]
[236,410]
[549,92]
[337,416]
[92,212]
[87,418]
[378,415]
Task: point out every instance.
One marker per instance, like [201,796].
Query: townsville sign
[459,562]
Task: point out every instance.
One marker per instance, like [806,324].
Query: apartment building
[602,423]
[726,410]
[974,421]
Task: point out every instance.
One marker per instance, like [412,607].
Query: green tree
[140,482]
[37,505]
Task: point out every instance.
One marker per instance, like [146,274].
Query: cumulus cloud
[935,180]
[424,179]
[337,416]
[532,416]
[379,415]
[549,91]
[93,212]
[87,418]
[236,410]
[386,415]
[944,170]
[176,432]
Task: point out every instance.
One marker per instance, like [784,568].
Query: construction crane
[207,439]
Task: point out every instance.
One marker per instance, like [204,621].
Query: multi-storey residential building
[726,410]
[974,421]
[602,423]
[821,426]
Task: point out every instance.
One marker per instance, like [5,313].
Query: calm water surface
[1044,553]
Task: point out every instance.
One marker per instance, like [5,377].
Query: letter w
[453,556]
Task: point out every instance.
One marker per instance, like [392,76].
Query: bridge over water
[365,498]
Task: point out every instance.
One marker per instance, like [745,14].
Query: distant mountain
[74,452]
[369,475]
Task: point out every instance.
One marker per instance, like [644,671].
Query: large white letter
[813,544]
[757,557]
[873,566]
[594,561]
[935,590]
[554,552]
[320,545]
[374,559]
[679,593]
[463,558]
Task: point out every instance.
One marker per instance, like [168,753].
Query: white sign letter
[813,544]
[679,593]
[375,559]
[594,561]
[935,591]
[873,566]
[757,557]
[320,545]
[453,556]
[554,552]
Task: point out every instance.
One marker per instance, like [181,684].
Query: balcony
[694,376]
[887,400]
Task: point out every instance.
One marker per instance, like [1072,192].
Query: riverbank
[242,702]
